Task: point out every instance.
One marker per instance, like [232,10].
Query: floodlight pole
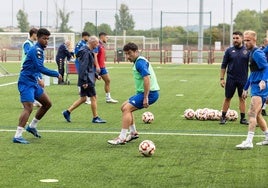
[231,25]
[200,33]
[161,36]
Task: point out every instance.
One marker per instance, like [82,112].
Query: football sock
[34,122]
[266,134]
[242,115]
[132,128]
[108,95]
[19,132]
[250,136]
[223,114]
[123,134]
[264,106]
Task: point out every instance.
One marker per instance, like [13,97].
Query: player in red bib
[101,54]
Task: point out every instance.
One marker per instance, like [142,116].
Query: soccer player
[101,55]
[86,80]
[259,90]
[63,53]
[235,60]
[28,44]
[265,50]
[25,49]
[29,88]
[147,93]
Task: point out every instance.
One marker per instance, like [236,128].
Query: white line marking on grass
[179,95]
[141,133]
[7,84]
[49,180]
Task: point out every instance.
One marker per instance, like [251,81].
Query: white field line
[141,133]
[7,84]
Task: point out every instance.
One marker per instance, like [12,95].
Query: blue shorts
[137,100]
[89,92]
[255,91]
[28,93]
[103,71]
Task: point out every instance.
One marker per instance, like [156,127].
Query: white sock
[132,128]
[108,95]
[123,134]
[266,134]
[250,136]
[264,106]
[34,122]
[19,132]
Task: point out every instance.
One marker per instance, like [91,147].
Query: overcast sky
[142,11]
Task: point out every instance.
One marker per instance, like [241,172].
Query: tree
[247,19]
[64,17]
[105,28]
[123,21]
[90,28]
[23,23]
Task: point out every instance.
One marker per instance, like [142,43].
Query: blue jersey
[260,70]
[265,50]
[78,47]
[236,61]
[33,66]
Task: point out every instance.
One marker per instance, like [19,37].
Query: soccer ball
[147,148]
[232,115]
[189,113]
[201,114]
[147,117]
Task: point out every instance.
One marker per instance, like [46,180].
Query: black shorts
[231,86]
[89,91]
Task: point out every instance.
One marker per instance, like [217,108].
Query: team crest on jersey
[245,52]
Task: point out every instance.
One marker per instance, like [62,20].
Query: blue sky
[146,13]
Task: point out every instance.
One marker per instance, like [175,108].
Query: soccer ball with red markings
[147,117]
[147,148]
[189,113]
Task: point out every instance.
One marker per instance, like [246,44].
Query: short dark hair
[33,31]
[130,46]
[42,31]
[85,33]
[102,33]
[238,33]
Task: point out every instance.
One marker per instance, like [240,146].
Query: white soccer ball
[201,114]
[147,117]
[147,148]
[189,113]
[231,115]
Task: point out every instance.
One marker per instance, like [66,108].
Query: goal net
[117,42]
[11,44]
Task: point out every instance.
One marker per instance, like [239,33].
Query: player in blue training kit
[258,80]
[83,42]
[265,50]
[29,88]
[235,63]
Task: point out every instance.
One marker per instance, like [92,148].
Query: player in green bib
[147,93]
